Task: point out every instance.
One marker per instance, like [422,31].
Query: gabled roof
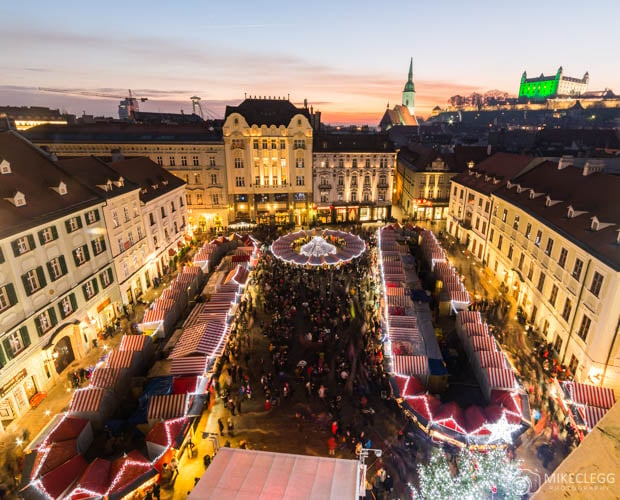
[595,195]
[267,111]
[147,174]
[498,167]
[34,173]
[400,115]
[95,173]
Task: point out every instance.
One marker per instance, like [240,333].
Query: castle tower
[409,91]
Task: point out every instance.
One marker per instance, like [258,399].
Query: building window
[282,144]
[126,214]
[562,258]
[90,289]
[152,218]
[23,245]
[57,267]
[577,269]
[198,198]
[131,242]
[354,163]
[554,295]
[47,235]
[163,212]
[81,255]
[265,144]
[255,144]
[538,238]
[353,196]
[257,181]
[454,191]
[484,227]
[173,208]
[492,235]
[106,278]
[354,181]
[121,245]
[135,209]
[597,283]
[510,251]
[238,163]
[324,198]
[530,271]
[477,223]
[521,260]
[240,181]
[16,342]
[367,181]
[45,321]
[549,247]
[92,216]
[140,235]
[500,242]
[299,144]
[541,281]
[557,344]
[73,224]
[528,230]
[367,163]
[125,268]
[195,161]
[299,163]
[115,218]
[160,161]
[172,163]
[504,215]
[213,178]
[155,242]
[8,298]
[215,199]
[381,196]
[366,197]
[584,328]
[299,180]
[67,305]
[184,161]
[34,280]
[515,224]
[574,363]
[181,202]
[341,180]
[568,307]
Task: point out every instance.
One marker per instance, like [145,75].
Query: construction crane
[126,108]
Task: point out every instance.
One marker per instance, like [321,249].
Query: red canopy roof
[56,482]
[475,420]
[424,405]
[58,454]
[183,385]
[95,478]
[450,415]
[68,428]
[166,433]
[129,469]
[408,386]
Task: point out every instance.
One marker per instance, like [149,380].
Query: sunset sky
[348,58]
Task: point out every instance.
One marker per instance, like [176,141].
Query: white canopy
[236,473]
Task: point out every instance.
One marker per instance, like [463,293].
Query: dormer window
[509,185]
[532,193]
[5,167]
[119,183]
[571,212]
[19,199]
[596,225]
[61,189]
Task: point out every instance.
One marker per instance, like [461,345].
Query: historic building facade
[543,87]
[194,153]
[57,278]
[268,156]
[352,177]
[553,241]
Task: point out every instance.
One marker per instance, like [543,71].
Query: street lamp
[364,452]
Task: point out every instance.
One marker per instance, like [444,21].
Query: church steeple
[409,91]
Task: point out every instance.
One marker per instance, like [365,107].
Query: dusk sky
[349,59]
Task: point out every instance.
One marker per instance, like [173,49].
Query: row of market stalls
[167,407]
[507,411]
[159,320]
[583,404]
[452,291]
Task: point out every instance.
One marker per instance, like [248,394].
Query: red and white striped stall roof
[165,305]
[500,378]
[166,406]
[153,316]
[396,291]
[244,251]
[410,365]
[591,415]
[469,317]
[402,321]
[120,359]
[132,343]
[476,329]
[459,296]
[191,270]
[86,400]
[593,395]
[191,365]
[241,275]
[399,301]
[493,359]
[171,293]
[105,378]
[480,343]
[208,339]
[183,279]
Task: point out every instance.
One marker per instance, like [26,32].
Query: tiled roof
[146,174]
[267,111]
[500,166]
[94,173]
[371,143]
[33,173]
[596,194]
[125,133]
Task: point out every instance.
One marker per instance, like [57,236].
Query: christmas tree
[476,476]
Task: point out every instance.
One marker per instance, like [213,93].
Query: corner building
[554,240]
[268,157]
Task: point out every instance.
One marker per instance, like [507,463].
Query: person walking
[231,427]
[331,445]
[221,426]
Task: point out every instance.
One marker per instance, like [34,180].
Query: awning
[591,415]
[602,397]
[167,406]
[105,378]
[153,316]
[500,378]
[132,342]
[410,365]
[86,400]
[493,359]
[191,365]
[480,343]
[479,329]
[120,359]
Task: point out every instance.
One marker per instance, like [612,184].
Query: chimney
[565,161]
[593,166]
[117,155]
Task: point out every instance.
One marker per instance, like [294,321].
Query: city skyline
[349,63]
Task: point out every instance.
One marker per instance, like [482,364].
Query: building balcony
[383,185]
[325,185]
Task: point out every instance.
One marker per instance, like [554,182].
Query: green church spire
[409,87]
